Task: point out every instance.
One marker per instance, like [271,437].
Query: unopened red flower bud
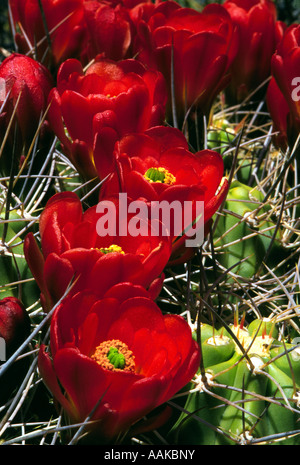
[125,360]
[14,330]
[91,109]
[24,88]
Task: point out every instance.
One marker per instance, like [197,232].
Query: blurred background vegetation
[6,40]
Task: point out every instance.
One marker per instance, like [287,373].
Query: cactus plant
[239,292]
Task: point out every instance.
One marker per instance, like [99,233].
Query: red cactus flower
[106,102]
[157,166]
[193,49]
[116,358]
[72,248]
[62,20]
[259,33]
[24,88]
[286,72]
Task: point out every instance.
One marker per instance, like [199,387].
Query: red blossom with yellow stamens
[118,357]
[91,110]
[72,248]
[184,176]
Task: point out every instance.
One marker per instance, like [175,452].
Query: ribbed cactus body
[217,349]
[248,391]
[236,237]
[280,416]
[240,418]
[220,136]
[288,360]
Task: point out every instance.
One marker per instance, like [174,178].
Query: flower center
[160,175]
[112,249]
[114,355]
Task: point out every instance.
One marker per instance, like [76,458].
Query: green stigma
[116,358]
[159,175]
[155,175]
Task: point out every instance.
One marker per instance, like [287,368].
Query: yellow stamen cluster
[114,355]
[112,249]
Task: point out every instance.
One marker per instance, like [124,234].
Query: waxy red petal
[58,274]
[57,206]
[48,373]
